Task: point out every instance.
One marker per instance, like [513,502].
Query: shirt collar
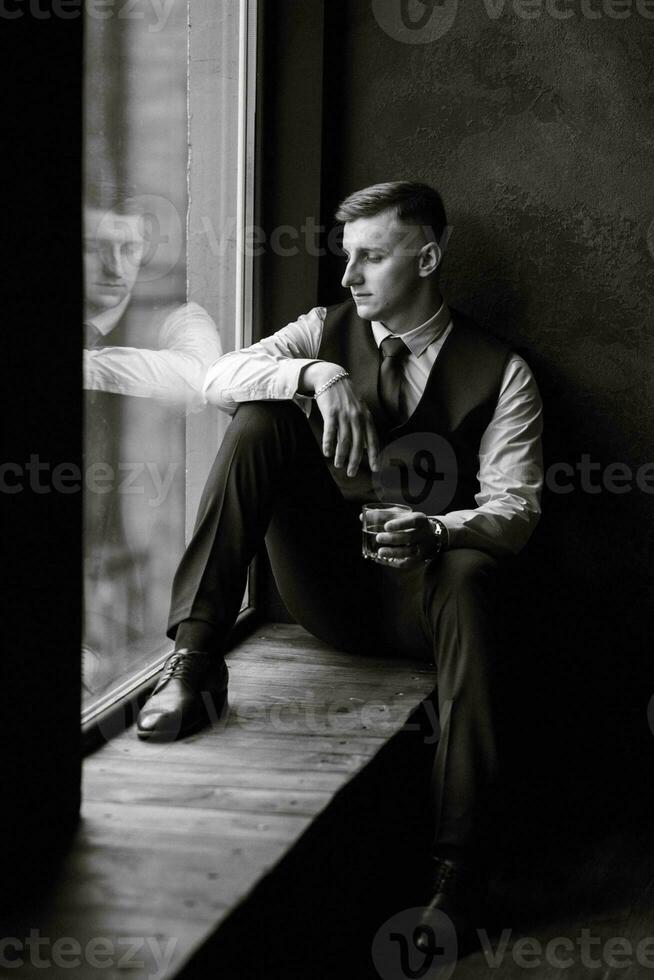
[419,338]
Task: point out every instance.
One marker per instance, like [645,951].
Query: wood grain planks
[174,837]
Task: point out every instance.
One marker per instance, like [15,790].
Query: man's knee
[258,419]
[468,563]
[254,425]
[461,571]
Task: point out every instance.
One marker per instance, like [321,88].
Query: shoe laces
[181,666]
[448,877]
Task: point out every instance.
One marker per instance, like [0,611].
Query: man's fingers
[397,539]
[344,443]
[395,557]
[329,436]
[356,452]
[348,430]
[372,442]
[404,523]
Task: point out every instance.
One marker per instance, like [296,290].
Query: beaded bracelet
[332,381]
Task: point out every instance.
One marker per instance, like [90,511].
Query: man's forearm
[169,376]
[269,370]
[498,530]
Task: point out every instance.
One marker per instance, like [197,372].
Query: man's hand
[407,541]
[348,425]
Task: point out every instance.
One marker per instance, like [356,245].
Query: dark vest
[457,403]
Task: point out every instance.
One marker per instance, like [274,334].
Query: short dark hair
[413,202]
[106,193]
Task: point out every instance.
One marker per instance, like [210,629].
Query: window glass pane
[146,348]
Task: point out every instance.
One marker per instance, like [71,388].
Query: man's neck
[418,313]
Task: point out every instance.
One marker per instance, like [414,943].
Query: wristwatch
[440,535]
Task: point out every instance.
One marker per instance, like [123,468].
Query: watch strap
[440,534]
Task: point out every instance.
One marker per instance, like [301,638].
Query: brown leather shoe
[191,693]
[458,892]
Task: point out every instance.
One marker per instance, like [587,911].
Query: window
[168,194]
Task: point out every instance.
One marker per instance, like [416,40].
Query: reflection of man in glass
[145,358]
[113,250]
[176,344]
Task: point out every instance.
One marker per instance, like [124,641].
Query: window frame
[113,712]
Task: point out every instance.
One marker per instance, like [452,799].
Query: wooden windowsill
[174,837]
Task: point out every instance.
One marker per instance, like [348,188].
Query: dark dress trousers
[271,482]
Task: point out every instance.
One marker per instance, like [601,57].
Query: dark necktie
[393,351]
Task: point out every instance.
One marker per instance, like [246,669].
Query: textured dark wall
[540,135]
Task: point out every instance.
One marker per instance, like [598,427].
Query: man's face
[383,267]
[113,251]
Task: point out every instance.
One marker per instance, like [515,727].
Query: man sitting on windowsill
[314,407]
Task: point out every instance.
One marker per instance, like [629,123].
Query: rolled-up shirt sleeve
[268,370]
[510,471]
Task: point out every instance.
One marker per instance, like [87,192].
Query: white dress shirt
[510,457]
[173,373]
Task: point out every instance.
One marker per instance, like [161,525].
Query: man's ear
[430,259]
